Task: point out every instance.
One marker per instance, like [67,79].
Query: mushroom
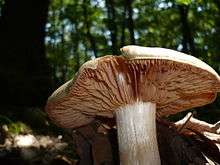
[135,87]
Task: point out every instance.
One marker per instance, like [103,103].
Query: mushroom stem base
[137,138]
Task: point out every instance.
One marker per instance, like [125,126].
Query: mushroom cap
[173,80]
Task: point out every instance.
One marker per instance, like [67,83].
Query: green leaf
[184,2]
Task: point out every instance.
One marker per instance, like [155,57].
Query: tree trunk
[112,25]
[217,2]
[75,38]
[62,50]
[123,25]
[130,21]
[88,25]
[217,36]
[25,78]
[187,41]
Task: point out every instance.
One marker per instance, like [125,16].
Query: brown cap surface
[173,80]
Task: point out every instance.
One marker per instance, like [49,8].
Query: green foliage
[18,128]
[184,2]
[14,127]
[2,2]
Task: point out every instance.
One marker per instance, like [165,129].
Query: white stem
[137,138]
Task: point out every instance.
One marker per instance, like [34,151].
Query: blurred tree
[111,24]
[24,71]
[188,40]
[130,20]
[217,37]
[87,23]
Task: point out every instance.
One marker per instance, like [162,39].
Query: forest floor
[28,138]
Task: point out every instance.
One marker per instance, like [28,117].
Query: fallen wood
[176,148]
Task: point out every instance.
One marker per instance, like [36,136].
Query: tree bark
[62,51]
[176,148]
[130,21]
[75,38]
[187,41]
[24,70]
[217,2]
[217,36]
[123,25]
[112,25]
[88,25]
